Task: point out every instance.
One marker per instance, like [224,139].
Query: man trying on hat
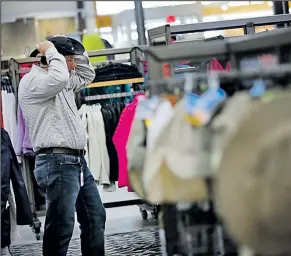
[46,97]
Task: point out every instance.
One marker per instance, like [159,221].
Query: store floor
[119,220]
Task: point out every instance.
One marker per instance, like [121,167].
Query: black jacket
[111,114]
[10,171]
[116,71]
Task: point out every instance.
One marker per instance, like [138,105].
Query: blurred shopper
[46,97]
[93,42]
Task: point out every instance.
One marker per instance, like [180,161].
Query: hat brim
[78,49]
[243,183]
[34,53]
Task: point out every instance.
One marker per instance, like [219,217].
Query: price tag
[206,105]
[190,102]
[258,89]
[148,122]
[146,107]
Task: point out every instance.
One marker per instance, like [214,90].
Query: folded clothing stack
[116,71]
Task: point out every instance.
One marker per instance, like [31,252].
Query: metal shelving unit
[277,42]
[235,48]
[249,25]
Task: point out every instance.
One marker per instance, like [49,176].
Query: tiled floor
[119,220]
[138,243]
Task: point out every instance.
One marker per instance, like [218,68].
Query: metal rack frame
[135,55]
[248,25]
[235,48]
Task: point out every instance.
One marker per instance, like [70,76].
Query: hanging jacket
[98,159]
[10,171]
[111,114]
[24,67]
[116,71]
[120,139]
[23,145]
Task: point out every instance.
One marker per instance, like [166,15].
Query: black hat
[65,46]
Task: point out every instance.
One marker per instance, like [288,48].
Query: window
[134,35]
[133,26]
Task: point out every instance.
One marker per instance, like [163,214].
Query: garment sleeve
[55,80]
[23,210]
[83,74]
[20,132]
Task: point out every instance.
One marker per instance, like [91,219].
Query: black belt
[65,151]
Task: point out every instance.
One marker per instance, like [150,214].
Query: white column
[90,15]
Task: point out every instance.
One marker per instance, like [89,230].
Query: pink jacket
[215,65]
[120,139]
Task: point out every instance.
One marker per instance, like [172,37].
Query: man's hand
[42,47]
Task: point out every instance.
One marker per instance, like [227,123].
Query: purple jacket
[23,145]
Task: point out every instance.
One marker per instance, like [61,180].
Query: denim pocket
[70,159]
[41,172]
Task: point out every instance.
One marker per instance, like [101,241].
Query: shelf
[116,82]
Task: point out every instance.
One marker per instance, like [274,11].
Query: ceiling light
[270,3]
[188,21]
[224,7]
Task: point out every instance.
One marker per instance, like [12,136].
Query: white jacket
[98,159]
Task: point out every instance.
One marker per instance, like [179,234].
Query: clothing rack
[236,49]
[112,95]
[117,82]
[135,57]
[5,71]
[134,53]
[168,86]
[164,33]
[101,63]
[161,81]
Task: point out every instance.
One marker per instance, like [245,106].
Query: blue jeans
[59,175]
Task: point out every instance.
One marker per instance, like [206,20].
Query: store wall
[11,10]
[18,38]
[60,26]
